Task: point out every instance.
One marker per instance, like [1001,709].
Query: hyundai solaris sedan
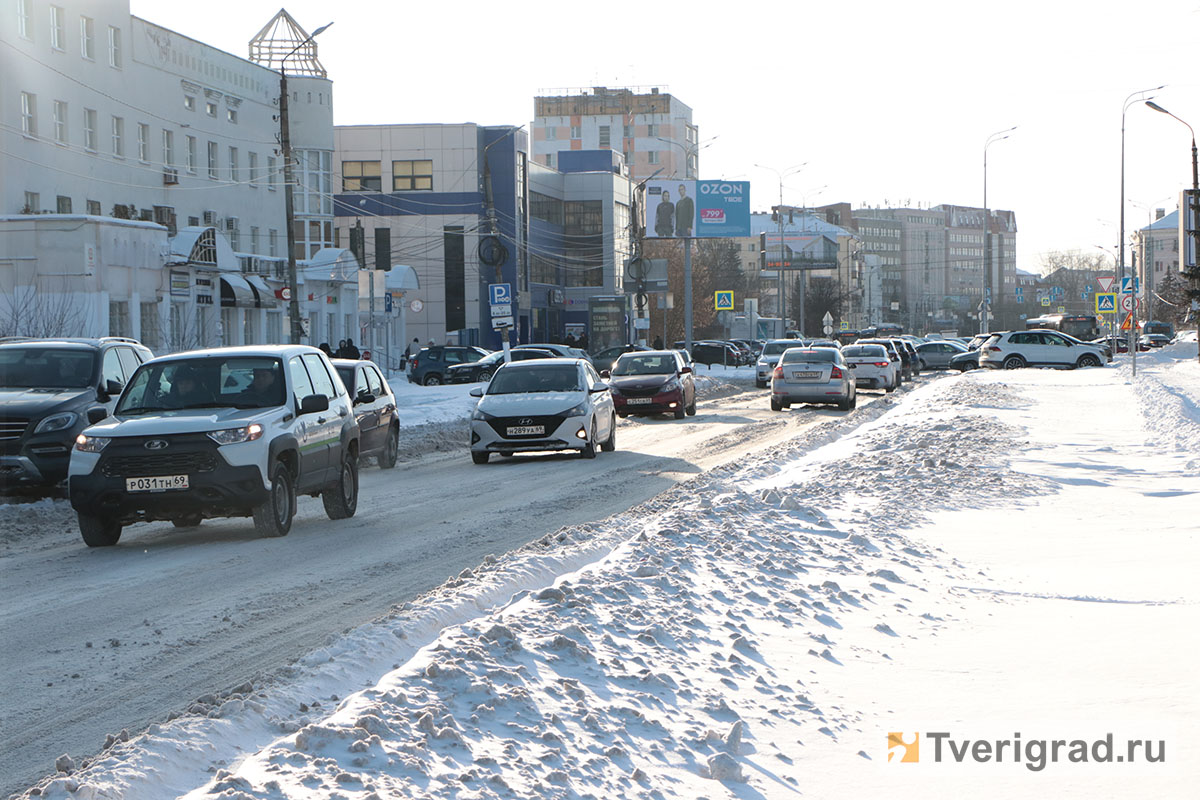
[540,405]
[813,375]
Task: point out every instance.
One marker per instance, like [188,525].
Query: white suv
[235,431]
[1038,348]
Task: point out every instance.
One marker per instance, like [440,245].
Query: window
[89,129]
[28,114]
[652,157]
[58,28]
[210,109]
[118,137]
[60,122]
[410,175]
[546,208]
[118,325]
[361,176]
[93,208]
[576,132]
[272,177]
[114,47]
[301,385]
[652,129]
[628,132]
[143,136]
[62,204]
[322,383]
[253,169]
[191,154]
[231,115]
[24,18]
[189,102]
[168,144]
[605,135]
[212,160]
[254,239]
[551,132]
[87,38]
[583,231]
[33,201]
[549,159]
[149,322]
[272,242]
[233,164]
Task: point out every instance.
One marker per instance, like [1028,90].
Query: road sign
[1128,323]
[387,303]
[1106,282]
[501,322]
[1129,285]
[416,306]
[828,329]
[1129,302]
[723,300]
[1046,301]
[502,310]
[500,293]
[843,326]
[1106,303]
[1062,309]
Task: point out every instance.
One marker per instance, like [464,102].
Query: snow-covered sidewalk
[995,550]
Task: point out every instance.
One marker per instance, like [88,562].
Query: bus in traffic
[1082,326]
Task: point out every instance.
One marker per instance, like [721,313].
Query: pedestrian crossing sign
[1106,303]
[723,301]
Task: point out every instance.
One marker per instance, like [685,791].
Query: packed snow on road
[993,555]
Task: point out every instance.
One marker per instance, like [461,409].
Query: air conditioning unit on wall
[170,176]
[210,218]
[231,223]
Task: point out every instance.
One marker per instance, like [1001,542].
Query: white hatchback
[543,404]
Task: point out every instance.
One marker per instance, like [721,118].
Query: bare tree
[35,312]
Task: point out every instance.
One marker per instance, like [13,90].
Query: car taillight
[414,363]
[882,363]
[836,372]
[778,373]
[994,349]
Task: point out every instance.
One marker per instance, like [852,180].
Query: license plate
[160,483]
[806,374]
[527,430]
[639,401]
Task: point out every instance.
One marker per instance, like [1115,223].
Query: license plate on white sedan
[527,430]
[639,401]
[806,374]
[159,483]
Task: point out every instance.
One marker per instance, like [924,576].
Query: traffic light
[358,246]
[383,249]
[762,251]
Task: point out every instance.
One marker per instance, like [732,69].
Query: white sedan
[543,405]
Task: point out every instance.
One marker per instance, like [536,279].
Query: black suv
[429,366]
[47,387]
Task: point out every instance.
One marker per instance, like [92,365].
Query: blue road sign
[387,303]
[1129,285]
[500,293]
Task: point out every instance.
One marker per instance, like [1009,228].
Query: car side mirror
[365,396]
[112,387]
[96,414]
[685,371]
[605,373]
[476,392]
[599,387]
[314,404]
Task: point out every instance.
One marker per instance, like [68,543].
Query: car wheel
[99,531]
[760,384]
[391,449]
[433,379]
[485,376]
[480,457]
[189,521]
[1014,362]
[844,405]
[341,499]
[854,400]
[891,386]
[622,414]
[274,517]
[679,410]
[1088,361]
[589,450]
[611,444]
[691,409]
[776,405]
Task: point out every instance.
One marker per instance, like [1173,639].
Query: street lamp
[782,304]
[1195,210]
[285,144]
[1130,100]
[984,305]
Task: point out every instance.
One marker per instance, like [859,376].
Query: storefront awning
[265,294]
[236,293]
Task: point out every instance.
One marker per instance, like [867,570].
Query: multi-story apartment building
[651,129]
[143,186]
[462,206]
[1157,249]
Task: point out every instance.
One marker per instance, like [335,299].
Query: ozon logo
[722,188]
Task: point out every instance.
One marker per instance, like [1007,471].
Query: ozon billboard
[697,209]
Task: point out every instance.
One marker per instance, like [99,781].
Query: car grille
[640,392]
[501,425]
[142,466]
[11,431]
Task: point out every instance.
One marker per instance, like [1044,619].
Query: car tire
[776,405]
[611,444]
[680,411]
[854,400]
[391,449]
[274,517]
[1086,361]
[1013,362]
[99,531]
[622,414]
[890,387]
[691,409]
[341,499]
[760,384]
[589,450]
[433,379]
[480,457]
[485,376]
[189,521]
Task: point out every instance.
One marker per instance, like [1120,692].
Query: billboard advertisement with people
[697,209]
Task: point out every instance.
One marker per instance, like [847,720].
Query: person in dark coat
[351,351]
[664,216]
[324,348]
[658,343]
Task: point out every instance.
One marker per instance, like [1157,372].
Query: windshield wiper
[137,410]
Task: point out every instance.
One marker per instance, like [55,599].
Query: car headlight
[580,410]
[246,433]
[481,415]
[91,444]
[669,386]
[56,422]
[762,363]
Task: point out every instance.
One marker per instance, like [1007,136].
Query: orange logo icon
[904,747]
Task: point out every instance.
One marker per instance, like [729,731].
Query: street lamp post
[984,304]
[1195,203]
[285,144]
[782,304]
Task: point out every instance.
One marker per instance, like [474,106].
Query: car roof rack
[125,339]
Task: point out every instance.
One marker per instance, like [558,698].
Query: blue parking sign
[500,293]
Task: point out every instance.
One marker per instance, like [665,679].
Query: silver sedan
[813,375]
[937,355]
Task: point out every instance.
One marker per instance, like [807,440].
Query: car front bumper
[558,434]
[661,403]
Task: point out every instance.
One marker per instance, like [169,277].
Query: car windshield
[491,358]
[796,355]
[211,382]
[46,367]
[865,351]
[644,365]
[536,378]
[775,348]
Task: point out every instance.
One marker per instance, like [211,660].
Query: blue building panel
[407,204]
[589,161]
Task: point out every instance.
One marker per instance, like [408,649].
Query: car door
[385,406]
[329,422]
[314,454]
[1058,350]
[365,412]
[602,403]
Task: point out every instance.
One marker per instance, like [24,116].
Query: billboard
[697,209]
[800,251]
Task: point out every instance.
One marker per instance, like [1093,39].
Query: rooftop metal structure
[282,39]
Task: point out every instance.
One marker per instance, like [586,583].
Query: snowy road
[96,641]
